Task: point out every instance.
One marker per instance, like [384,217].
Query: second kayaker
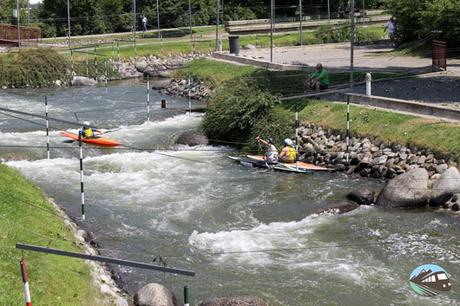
[288,154]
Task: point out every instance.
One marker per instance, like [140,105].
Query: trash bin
[234,42]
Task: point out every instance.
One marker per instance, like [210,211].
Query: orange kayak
[99,141]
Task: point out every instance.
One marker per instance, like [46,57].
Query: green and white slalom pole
[148,98]
[82,189]
[186,296]
[348,129]
[47,129]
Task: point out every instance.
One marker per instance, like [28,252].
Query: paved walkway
[337,56]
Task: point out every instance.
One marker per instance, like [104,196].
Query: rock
[165,74]
[192,138]
[445,187]
[249,46]
[362,197]
[141,65]
[441,168]
[58,83]
[338,208]
[154,294]
[407,190]
[235,301]
[82,81]
[160,84]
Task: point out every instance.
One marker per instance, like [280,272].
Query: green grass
[441,137]
[26,216]
[282,83]
[148,44]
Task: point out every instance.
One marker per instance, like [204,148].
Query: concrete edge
[405,106]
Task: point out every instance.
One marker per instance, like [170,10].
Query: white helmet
[288,142]
[86,123]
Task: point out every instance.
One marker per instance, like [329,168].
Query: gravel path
[442,87]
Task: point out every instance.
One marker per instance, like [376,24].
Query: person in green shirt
[318,80]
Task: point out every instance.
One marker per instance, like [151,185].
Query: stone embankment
[367,157]
[417,177]
[155,294]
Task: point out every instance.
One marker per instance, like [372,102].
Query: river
[243,231]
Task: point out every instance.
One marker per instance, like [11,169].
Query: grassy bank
[282,83]
[391,127]
[27,217]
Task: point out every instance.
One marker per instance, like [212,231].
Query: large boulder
[362,197]
[141,65]
[337,208]
[445,187]
[192,138]
[407,190]
[154,294]
[82,81]
[235,301]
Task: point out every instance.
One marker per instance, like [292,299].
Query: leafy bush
[234,110]
[34,67]
[330,34]
[277,124]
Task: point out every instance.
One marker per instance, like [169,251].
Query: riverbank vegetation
[27,217]
[247,104]
[42,67]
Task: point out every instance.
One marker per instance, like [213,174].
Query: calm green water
[214,215]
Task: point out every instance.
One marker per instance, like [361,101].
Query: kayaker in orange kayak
[88,132]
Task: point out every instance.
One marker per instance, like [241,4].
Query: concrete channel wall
[412,107]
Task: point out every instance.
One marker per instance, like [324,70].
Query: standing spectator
[144,23]
[391,28]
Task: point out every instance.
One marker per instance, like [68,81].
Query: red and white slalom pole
[25,281]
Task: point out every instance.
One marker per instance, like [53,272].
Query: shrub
[277,124]
[234,110]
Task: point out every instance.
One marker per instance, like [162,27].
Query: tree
[426,18]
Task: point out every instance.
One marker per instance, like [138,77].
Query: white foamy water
[203,212]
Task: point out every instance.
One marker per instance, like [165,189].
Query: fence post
[186,296]
[25,281]
[82,189]
[87,66]
[368,84]
[47,129]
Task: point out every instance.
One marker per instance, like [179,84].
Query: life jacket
[88,133]
[290,156]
